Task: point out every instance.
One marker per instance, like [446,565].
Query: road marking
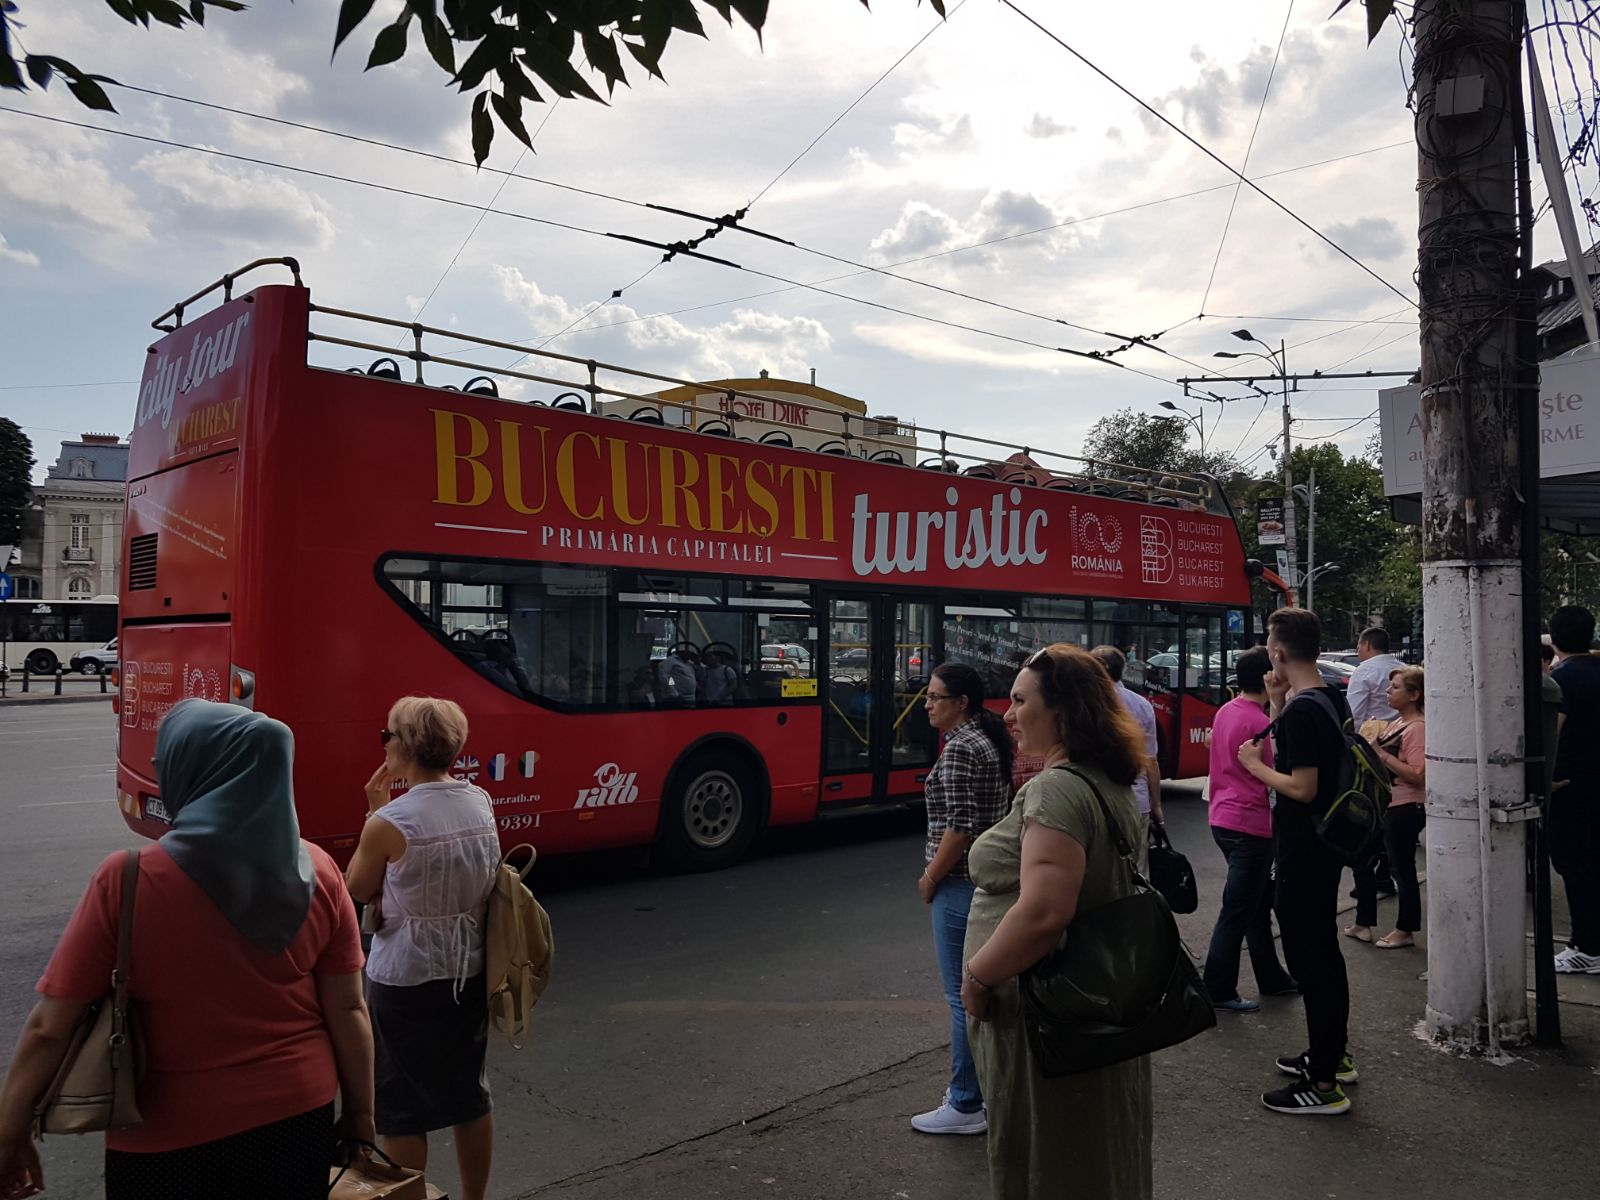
[65,803]
[690,1008]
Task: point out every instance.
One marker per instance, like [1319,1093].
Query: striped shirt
[965,791]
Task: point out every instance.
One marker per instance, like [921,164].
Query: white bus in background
[44,635]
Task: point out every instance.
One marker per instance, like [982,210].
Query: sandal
[1389,941]
[1361,933]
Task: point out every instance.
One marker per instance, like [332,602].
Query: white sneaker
[945,1119]
[1573,961]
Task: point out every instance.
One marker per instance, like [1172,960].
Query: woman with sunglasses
[967,791]
[1052,856]
[427,858]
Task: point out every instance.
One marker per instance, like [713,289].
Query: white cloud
[1046,127]
[238,204]
[742,345]
[26,257]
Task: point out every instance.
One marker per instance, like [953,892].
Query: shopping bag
[375,1180]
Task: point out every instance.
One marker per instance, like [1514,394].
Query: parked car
[96,662]
[786,658]
[855,656]
[1349,658]
[1336,674]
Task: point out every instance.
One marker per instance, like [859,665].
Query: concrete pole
[1311,538]
[1290,537]
[1467,88]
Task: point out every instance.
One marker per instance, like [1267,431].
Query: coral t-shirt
[234,1036]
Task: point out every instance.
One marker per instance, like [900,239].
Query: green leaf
[601,51]
[491,54]
[510,113]
[1378,12]
[685,18]
[439,42]
[651,62]
[389,45]
[482,128]
[351,14]
[39,70]
[515,83]
[168,12]
[125,10]
[90,94]
[10,73]
[560,74]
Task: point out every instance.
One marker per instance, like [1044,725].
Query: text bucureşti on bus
[659,635]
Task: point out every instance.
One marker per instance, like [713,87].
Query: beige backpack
[518,949]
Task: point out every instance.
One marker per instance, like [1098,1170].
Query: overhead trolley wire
[860,269]
[1208,152]
[732,219]
[570,228]
[1249,146]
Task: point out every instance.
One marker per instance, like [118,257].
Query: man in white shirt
[1367,696]
[1369,684]
[1147,787]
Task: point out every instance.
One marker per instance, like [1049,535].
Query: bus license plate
[154,810]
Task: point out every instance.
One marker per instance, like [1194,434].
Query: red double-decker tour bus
[670,617]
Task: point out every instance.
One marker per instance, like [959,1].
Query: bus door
[876,740]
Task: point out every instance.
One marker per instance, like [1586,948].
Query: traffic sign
[6,586]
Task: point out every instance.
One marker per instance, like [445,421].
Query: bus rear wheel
[42,662]
[711,814]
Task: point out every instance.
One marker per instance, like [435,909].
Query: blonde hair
[1411,679]
[431,732]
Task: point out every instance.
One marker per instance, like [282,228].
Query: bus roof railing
[951,452]
[226,284]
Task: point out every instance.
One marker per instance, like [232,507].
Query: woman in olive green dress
[1085,1135]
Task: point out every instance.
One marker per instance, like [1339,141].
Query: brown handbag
[94,1089]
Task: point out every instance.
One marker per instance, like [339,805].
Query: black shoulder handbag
[1119,985]
[1171,874]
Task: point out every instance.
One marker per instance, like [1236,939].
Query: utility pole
[1311,537]
[1468,105]
[1289,535]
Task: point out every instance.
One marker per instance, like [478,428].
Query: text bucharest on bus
[672,616]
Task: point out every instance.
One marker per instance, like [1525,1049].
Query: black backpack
[1352,823]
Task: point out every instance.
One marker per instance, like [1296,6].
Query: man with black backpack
[1309,752]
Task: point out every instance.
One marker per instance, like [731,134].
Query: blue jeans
[951,903]
[1246,916]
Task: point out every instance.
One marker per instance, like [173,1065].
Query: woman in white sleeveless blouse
[427,858]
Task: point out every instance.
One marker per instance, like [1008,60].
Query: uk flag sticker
[528,761]
[497,767]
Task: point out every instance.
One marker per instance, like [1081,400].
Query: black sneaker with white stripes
[1300,1065]
[1304,1099]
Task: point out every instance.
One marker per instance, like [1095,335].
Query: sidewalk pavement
[1426,1123]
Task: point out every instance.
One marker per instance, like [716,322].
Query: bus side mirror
[1253,568]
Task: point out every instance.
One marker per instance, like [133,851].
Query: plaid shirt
[964,791]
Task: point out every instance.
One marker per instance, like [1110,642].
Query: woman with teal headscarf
[245,973]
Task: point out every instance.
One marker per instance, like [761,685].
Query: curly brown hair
[1094,725]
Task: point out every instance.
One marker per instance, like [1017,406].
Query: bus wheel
[42,662]
[712,813]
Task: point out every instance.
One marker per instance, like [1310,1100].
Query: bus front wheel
[712,812]
[42,662]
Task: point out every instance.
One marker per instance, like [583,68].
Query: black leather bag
[1171,874]
[1119,985]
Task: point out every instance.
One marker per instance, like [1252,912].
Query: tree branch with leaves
[508,53]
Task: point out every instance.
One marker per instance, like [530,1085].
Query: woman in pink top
[1403,749]
[246,974]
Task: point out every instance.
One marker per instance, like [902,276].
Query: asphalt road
[768,1030]
[680,1004]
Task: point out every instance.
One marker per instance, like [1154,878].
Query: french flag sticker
[497,767]
[528,761]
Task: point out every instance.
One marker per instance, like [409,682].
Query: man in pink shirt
[1241,823]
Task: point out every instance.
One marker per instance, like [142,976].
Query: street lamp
[1198,420]
[1279,361]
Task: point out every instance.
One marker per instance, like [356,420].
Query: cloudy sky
[986,130]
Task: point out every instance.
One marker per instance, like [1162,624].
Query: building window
[78,588]
[80,531]
[82,469]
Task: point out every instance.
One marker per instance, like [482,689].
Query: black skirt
[286,1160]
[432,1047]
